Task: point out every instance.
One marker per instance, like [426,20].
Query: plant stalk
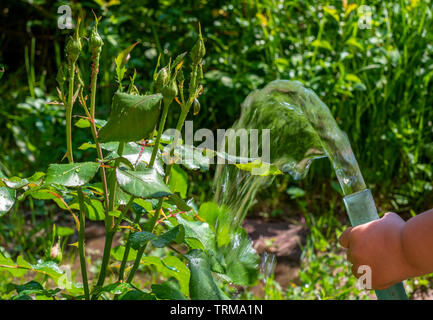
[109,223]
[154,218]
[81,248]
[69,154]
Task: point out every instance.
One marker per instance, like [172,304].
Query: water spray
[303,129]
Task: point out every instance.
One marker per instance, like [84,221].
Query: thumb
[345,238]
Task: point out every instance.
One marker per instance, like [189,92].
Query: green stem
[154,219]
[151,163]
[94,79]
[70,157]
[69,108]
[122,214]
[127,249]
[177,134]
[159,134]
[109,223]
[81,248]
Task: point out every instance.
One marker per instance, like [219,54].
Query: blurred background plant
[372,68]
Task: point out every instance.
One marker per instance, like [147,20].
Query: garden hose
[361,209]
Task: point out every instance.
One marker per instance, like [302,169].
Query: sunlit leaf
[202,285]
[132,117]
[71,174]
[145,184]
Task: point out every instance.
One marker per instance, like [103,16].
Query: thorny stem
[159,134]
[155,217]
[94,79]
[70,157]
[127,249]
[156,214]
[81,248]
[109,223]
[69,114]
[185,109]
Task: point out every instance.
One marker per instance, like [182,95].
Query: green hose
[361,209]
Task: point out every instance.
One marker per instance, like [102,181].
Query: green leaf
[174,267]
[192,157]
[121,61]
[15,182]
[71,174]
[118,252]
[200,231]
[140,239]
[178,181]
[177,234]
[295,192]
[180,204]
[7,200]
[322,44]
[94,209]
[259,168]
[136,295]
[143,184]
[22,297]
[144,204]
[202,285]
[115,288]
[64,231]
[31,287]
[332,12]
[169,290]
[168,267]
[87,145]
[46,194]
[241,261]
[47,268]
[137,156]
[85,123]
[209,211]
[132,118]
[7,264]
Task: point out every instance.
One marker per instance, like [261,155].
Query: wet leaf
[140,239]
[178,181]
[71,174]
[177,234]
[136,295]
[169,290]
[180,203]
[202,285]
[94,209]
[7,200]
[145,184]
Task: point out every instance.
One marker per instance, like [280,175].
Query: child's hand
[378,244]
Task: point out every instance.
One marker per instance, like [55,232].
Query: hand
[378,244]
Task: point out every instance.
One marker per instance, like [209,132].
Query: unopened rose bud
[169,91]
[55,253]
[95,42]
[72,50]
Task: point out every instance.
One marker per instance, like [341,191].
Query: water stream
[302,129]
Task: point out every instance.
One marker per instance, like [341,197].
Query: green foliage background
[376,81]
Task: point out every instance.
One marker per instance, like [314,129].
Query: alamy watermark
[365,278]
[64,21]
[231,146]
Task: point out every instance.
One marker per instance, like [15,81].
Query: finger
[349,255]
[355,271]
[345,238]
